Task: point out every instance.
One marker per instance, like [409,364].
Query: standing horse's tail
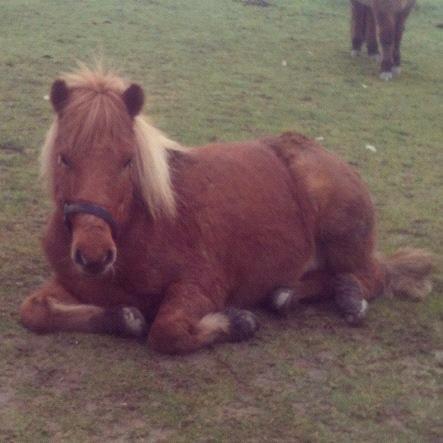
[407,273]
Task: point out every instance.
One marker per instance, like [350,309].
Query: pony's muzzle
[93,250]
[94,266]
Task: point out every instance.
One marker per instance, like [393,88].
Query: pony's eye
[64,161]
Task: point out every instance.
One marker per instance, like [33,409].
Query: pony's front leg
[51,308]
[189,319]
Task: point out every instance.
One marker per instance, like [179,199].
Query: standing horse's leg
[51,308]
[399,29]
[189,319]
[371,36]
[358,26]
[386,35]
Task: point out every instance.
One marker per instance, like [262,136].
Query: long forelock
[95,116]
[97,79]
[95,108]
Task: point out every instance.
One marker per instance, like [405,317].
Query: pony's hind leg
[349,290]
[189,320]
[358,26]
[350,298]
[52,308]
[355,288]
[314,285]
[349,274]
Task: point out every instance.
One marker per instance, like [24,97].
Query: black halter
[89,208]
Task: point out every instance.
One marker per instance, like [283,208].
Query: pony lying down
[144,232]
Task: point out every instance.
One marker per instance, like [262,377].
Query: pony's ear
[134,98]
[59,95]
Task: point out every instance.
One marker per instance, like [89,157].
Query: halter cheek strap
[92,209]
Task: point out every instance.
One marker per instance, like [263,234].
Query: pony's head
[99,155]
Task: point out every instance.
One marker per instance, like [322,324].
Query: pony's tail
[408,273]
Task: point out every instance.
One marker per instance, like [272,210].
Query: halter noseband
[92,209]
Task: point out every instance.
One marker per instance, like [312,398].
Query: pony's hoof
[242,324]
[354,311]
[355,318]
[280,300]
[375,57]
[349,299]
[134,321]
[396,70]
[127,322]
[355,53]
[386,76]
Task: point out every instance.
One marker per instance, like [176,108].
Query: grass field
[226,70]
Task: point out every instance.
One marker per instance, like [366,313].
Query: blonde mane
[100,90]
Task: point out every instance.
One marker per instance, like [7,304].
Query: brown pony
[387,19]
[144,231]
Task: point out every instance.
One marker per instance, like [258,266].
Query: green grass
[213,70]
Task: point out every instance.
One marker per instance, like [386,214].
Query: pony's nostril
[109,257]
[78,258]
[94,266]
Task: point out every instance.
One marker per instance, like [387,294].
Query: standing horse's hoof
[355,53]
[375,57]
[242,324]
[280,301]
[386,76]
